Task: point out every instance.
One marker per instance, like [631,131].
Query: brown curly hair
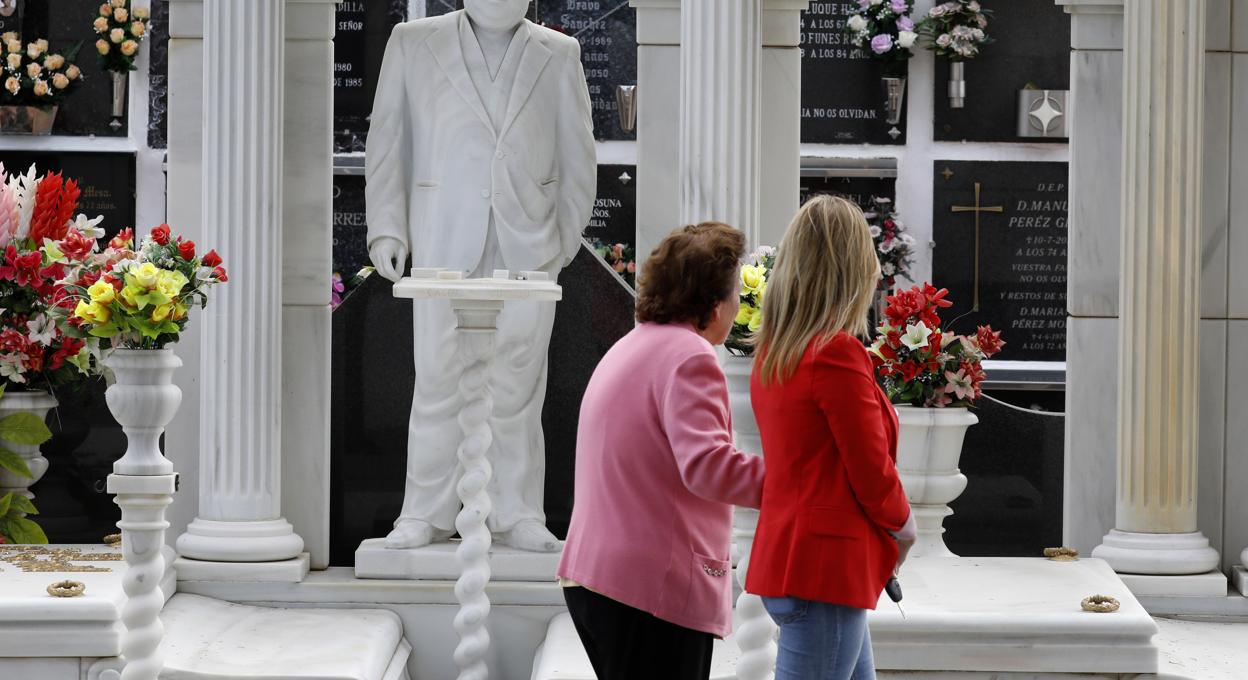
[691,271]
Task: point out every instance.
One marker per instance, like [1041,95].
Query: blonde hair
[822,283]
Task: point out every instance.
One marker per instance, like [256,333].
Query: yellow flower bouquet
[139,299]
[755,272]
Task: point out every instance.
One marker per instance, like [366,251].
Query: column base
[1162,554]
[1239,576]
[285,571]
[258,541]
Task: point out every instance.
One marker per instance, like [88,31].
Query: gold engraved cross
[977,209]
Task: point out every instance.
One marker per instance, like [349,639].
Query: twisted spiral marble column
[143,500]
[476,329]
[755,632]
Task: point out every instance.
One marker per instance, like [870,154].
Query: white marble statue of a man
[480,157]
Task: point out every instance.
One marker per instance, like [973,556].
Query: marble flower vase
[143,400]
[38,403]
[929,445]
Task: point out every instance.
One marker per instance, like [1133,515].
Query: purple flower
[899,6]
[863,4]
[336,290]
[905,24]
[882,43]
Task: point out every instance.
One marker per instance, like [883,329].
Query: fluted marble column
[719,112]
[239,516]
[718,170]
[1163,114]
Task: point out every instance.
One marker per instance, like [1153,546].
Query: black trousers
[628,644]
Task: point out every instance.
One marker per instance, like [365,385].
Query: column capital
[1094,24]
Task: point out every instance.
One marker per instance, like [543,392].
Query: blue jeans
[821,641]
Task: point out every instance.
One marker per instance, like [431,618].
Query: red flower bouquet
[39,240]
[919,364]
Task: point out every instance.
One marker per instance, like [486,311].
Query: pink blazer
[656,478]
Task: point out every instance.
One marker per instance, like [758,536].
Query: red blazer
[832,493]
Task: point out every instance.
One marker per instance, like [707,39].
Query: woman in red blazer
[834,522]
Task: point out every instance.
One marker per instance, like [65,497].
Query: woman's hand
[905,537]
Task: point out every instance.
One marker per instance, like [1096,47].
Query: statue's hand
[389,255]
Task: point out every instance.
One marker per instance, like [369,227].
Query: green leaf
[24,428]
[21,503]
[5,501]
[22,530]
[2,388]
[14,463]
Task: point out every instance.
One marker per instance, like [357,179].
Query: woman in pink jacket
[645,570]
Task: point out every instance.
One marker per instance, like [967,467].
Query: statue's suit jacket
[436,165]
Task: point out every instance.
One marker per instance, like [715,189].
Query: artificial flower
[752,277]
[40,88]
[138,29]
[129,48]
[218,273]
[54,62]
[73,71]
[212,259]
[144,276]
[170,283]
[881,43]
[33,70]
[106,10]
[745,313]
[141,13]
[93,312]
[121,14]
[42,329]
[124,239]
[100,24]
[117,35]
[161,234]
[959,384]
[60,81]
[102,47]
[13,85]
[33,50]
[905,39]
[102,292]
[187,250]
[14,61]
[856,23]
[916,335]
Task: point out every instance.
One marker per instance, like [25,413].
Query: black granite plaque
[158,76]
[350,225]
[372,380]
[107,181]
[857,189]
[65,23]
[1013,460]
[842,91]
[614,219]
[1019,211]
[607,31]
[359,43]
[1032,47]
[74,506]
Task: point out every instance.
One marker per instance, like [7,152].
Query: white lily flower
[87,227]
[42,329]
[916,335]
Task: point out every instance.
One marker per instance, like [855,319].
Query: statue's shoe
[531,535]
[414,533]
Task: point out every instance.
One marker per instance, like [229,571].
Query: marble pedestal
[208,639]
[35,624]
[1004,617]
[437,562]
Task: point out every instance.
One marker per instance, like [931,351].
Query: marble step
[207,639]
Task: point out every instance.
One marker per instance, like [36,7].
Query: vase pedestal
[929,444]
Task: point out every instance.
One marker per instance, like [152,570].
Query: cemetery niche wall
[1031,49]
[64,24]
[1009,268]
[842,94]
